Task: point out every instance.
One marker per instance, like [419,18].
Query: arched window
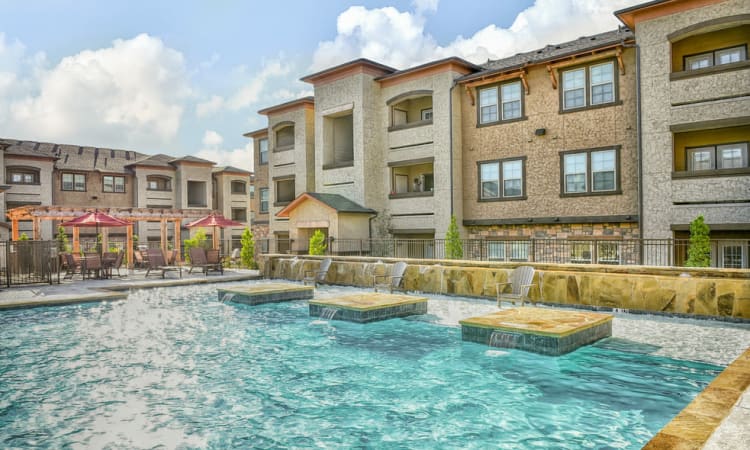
[284,136]
[21,175]
[158,183]
[238,187]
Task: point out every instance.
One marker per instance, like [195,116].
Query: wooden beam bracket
[470,93]
[552,78]
[524,81]
[618,55]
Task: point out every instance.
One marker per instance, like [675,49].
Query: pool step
[368,307]
[538,330]
[258,294]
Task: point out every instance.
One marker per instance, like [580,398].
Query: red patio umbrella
[214,220]
[95,219]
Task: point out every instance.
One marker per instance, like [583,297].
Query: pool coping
[397,300]
[477,323]
[694,425]
[116,291]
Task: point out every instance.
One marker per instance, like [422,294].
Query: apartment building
[47,174]
[550,149]
[260,200]
[695,118]
[370,146]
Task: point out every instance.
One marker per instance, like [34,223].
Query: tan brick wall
[558,231]
[93,196]
[607,126]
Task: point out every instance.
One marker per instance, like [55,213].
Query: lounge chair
[156,262]
[392,281]
[139,259]
[520,282]
[199,259]
[317,276]
[214,261]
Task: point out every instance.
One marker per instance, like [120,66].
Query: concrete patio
[80,291]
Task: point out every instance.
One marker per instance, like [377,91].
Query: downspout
[450,145]
[639,143]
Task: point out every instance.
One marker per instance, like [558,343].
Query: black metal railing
[29,262]
[652,252]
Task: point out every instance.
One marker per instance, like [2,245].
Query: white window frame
[116,188]
[567,171]
[578,250]
[722,247]
[614,170]
[263,151]
[426,114]
[77,182]
[588,91]
[566,88]
[599,252]
[611,82]
[519,178]
[713,58]
[715,155]
[491,101]
[504,100]
[263,192]
[482,180]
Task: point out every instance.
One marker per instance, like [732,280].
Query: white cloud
[131,94]
[238,157]
[250,93]
[399,39]
[210,106]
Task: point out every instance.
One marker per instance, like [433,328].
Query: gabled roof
[363,64]
[335,201]
[192,159]
[294,104]
[232,169]
[257,133]
[158,160]
[553,52]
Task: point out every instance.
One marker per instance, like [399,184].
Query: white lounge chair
[317,276]
[392,281]
[520,282]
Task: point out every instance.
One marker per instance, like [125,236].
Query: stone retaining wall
[700,292]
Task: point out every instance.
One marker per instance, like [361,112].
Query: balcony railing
[652,252]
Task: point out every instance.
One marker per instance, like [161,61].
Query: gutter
[450,138]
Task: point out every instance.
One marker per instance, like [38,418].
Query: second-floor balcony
[412,179]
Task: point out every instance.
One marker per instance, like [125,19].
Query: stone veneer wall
[556,231]
[700,292]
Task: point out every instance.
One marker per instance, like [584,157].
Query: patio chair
[156,262]
[117,264]
[392,281]
[72,266]
[317,276]
[520,283]
[213,261]
[92,265]
[139,260]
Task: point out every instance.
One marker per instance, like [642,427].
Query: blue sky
[188,77]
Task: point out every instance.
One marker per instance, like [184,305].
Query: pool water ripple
[179,369]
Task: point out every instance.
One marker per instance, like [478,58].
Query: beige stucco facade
[40,193]
[232,199]
[683,109]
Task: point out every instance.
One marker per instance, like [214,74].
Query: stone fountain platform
[539,330]
[368,307]
[258,294]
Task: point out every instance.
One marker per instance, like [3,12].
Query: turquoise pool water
[177,368]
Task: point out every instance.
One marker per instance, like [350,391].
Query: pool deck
[83,291]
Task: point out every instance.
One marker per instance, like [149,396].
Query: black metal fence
[653,252]
[28,262]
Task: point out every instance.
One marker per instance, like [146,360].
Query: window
[263,200]
[602,166]
[22,176]
[285,137]
[588,86]
[733,254]
[239,214]
[502,179]
[285,191]
[238,187]
[508,250]
[608,252]
[73,182]
[507,95]
[716,58]
[725,156]
[426,114]
[113,184]
[338,141]
[263,151]
[155,183]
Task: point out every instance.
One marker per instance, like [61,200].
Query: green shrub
[454,248]
[63,245]
[23,237]
[198,240]
[318,243]
[247,254]
[699,250]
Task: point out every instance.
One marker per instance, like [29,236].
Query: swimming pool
[175,367]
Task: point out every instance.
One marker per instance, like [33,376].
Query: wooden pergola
[36,214]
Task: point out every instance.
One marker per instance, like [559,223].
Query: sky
[188,77]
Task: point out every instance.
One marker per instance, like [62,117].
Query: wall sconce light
[540,131]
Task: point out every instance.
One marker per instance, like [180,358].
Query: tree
[247,254]
[63,245]
[198,240]
[23,237]
[318,243]
[454,248]
[699,250]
